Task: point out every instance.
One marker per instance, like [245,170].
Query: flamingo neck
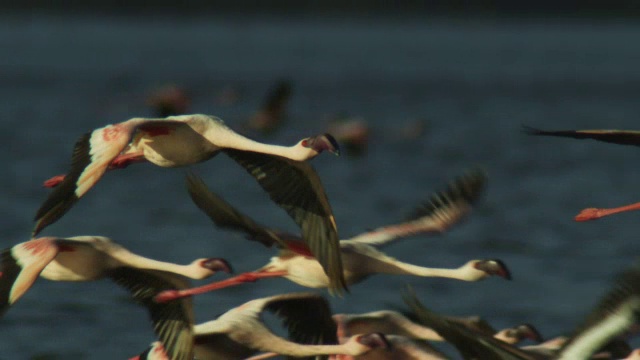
[233,140]
[191,270]
[351,347]
[411,329]
[464,273]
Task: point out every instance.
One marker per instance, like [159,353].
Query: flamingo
[618,310]
[312,332]
[392,322]
[359,256]
[82,258]
[623,137]
[169,100]
[87,258]
[182,140]
[273,112]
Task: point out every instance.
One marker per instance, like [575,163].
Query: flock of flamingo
[315,258]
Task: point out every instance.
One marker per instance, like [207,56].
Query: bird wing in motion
[307,317]
[91,157]
[296,187]
[614,315]
[443,210]
[173,320]
[622,137]
[470,344]
[226,216]
[20,266]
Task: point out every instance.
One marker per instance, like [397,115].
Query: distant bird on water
[615,314]
[622,137]
[272,114]
[87,258]
[359,256]
[183,140]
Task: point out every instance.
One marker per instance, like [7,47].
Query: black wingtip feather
[532,131]
[467,188]
[63,197]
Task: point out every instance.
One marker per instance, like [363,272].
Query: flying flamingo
[615,314]
[183,140]
[272,114]
[81,258]
[87,258]
[359,256]
[623,137]
[311,332]
[392,322]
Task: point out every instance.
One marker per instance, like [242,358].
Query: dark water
[474,83]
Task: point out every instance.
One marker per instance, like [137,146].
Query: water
[474,83]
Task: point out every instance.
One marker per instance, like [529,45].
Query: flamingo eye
[305,143]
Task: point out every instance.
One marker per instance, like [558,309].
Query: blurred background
[417,94]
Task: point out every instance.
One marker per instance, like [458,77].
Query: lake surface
[473,83]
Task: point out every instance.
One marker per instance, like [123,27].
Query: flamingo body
[80,258]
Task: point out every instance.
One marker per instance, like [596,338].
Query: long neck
[298,350]
[141,262]
[402,268]
[414,330]
[231,139]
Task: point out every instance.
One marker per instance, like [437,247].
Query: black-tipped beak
[494,267]
[530,332]
[334,148]
[503,271]
[218,264]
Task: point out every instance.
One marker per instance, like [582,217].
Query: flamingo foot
[168,295]
[122,161]
[54,181]
[590,214]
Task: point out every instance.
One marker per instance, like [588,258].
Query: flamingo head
[528,331]
[211,266]
[373,341]
[519,333]
[492,267]
[320,143]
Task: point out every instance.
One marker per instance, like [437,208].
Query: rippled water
[474,83]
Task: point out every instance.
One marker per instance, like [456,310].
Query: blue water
[473,82]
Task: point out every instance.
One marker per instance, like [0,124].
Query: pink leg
[594,213]
[120,162]
[169,295]
[54,181]
[124,160]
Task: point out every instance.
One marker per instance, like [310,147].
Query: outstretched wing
[296,187]
[173,320]
[622,137]
[92,155]
[615,314]
[307,317]
[470,344]
[226,216]
[443,210]
[20,266]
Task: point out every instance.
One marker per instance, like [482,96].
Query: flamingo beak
[218,264]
